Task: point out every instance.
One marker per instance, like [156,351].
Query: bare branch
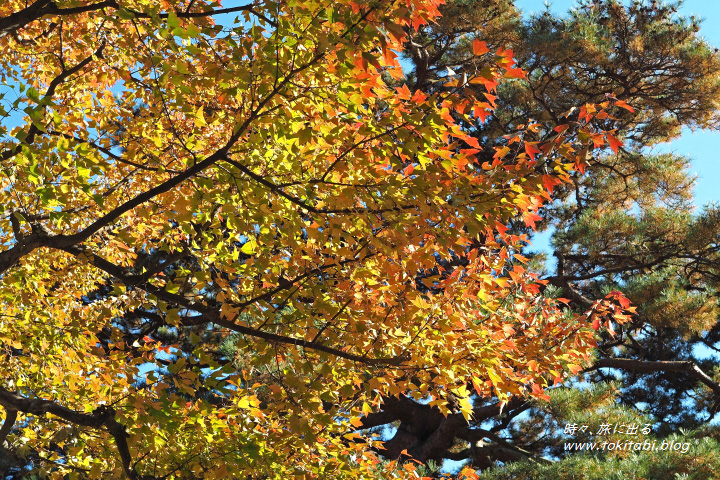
[687,367]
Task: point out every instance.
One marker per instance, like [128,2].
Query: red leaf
[516,73]
[614,142]
[419,97]
[507,58]
[624,105]
[501,228]
[549,182]
[621,299]
[389,56]
[480,113]
[478,387]
[531,149]
[473,142]
[480,48]
[538,392]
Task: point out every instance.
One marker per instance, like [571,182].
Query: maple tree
[265,186]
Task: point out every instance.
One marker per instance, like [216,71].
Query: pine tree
[629,225]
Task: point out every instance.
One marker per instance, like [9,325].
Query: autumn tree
[232,233]
[628,225]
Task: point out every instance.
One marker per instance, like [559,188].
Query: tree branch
[10,418]
[213,314]
[687,367]
[19,19]
[43,8]
[54,84]
[475,434]
[102,417]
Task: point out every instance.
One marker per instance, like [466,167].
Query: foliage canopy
[222,245]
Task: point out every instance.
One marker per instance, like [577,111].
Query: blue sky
[702,146]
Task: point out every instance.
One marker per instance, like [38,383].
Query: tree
[628,225]
[222,245]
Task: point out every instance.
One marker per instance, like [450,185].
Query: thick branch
[213,315]
[607,271]
[19,19]
[476,434]
[10,418]
[687,367]
[43,8]
[425,433]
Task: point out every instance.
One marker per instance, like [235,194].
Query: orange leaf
[515,73]
[531,149]
[480,48]
[419,97]
[614,142]
[622,104]
[530,218]
[403,92]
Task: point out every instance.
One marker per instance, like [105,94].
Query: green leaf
[33,94]
[173,20]
[124,13]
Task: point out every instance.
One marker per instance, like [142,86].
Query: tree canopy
[290,239]
[234,235]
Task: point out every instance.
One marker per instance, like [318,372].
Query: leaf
[531,149]
[249,247]
[622,104]
[530,218]
[613,142]
[480,47]
[516,73]
[33,94]
[403,92]
[173,21]
[200,118]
